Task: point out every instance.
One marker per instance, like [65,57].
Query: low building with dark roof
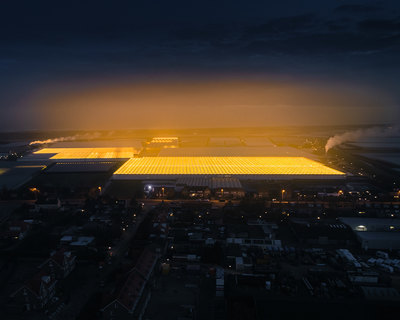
[60,264]
[251,236]
[16,230]
[375,233]
[36,293]
[321,231]
[129,300]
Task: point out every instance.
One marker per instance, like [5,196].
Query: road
[148,203]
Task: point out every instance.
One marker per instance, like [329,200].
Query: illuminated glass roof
[90,153]
[225,166]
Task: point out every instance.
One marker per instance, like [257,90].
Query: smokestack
[359,134]
[86,136]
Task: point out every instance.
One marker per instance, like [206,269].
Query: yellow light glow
[224,166]
[34,166]
[90,153]
[164,140]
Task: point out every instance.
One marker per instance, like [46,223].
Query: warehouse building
[114,150]
[257,151]
[374,233]
[250,168]
[219,170]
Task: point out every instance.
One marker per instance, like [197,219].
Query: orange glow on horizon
[205,104]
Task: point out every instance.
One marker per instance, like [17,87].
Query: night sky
[149,64]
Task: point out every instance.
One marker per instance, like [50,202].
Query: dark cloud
[291,24]
[306,34]
[357,8]
[381,25]
[52,41]
[327,43]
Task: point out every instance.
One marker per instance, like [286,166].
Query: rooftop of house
[41,278]
[60,256]
[245,231]
[146,263]
[129,293]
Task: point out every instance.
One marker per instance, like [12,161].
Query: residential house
[60,264]
[37,292]
[129,301]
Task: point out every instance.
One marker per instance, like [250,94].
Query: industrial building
[190,170]
[113,150]
[15,174]
[265,168]
[89,153]
[224,141]
[241,151]
[163,142]
[81,166]
[258,142]
[374,233]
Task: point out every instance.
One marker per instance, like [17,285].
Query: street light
[283,191]
[35,191]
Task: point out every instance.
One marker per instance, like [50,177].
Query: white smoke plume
[359,134]
[86,136]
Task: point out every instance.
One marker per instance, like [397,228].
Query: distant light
[361,228]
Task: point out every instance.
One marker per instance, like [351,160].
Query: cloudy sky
[148,64]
